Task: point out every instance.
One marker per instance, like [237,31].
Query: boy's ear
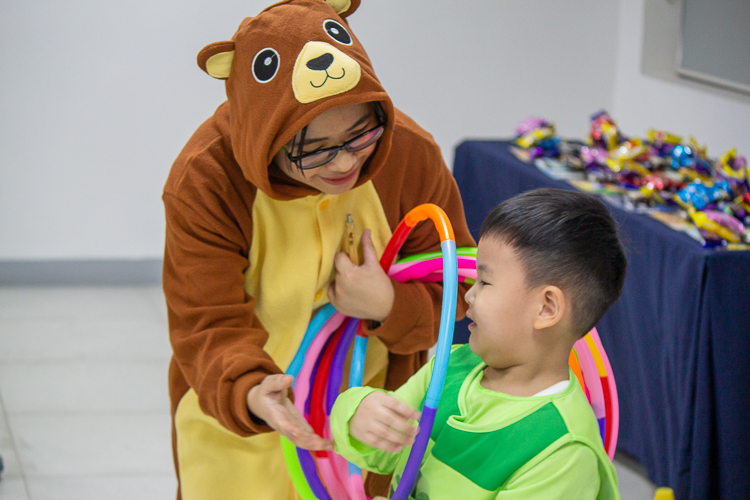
[216,59]
[552,307]
[344,8]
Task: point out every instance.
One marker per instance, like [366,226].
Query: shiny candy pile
[658,175]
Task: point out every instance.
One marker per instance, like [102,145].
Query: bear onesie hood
[284,67]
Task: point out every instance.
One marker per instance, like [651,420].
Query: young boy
[513,421]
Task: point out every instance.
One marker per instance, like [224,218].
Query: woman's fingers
[291,425]
[276,383]
[311,441]
[269,400]
[305,436]
[279,419]
[369,252]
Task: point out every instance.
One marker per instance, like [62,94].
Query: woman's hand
[385,422]
[269,401]
[365,291]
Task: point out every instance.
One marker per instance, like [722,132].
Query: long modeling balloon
[590,364]
[613,410]
[319,364]
[593,383]
[321,346]
[445,340]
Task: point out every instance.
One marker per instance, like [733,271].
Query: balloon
[318,367]
[318,364]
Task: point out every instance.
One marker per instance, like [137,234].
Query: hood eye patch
[265,65]
[336,31]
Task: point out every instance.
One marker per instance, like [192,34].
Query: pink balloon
[591,377]
[612,393]
[340,465]
[422,268]
[328,473]
[302,383]
[463,262]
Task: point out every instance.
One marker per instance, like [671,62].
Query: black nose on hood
[320,63]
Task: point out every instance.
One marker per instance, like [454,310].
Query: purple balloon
[337,365]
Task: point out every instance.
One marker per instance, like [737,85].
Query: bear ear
[343,8]
[216,59]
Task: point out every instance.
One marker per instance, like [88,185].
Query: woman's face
[332,129]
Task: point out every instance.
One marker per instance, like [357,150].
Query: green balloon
[461,252]
[295,470]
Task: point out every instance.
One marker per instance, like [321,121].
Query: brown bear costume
[249,251]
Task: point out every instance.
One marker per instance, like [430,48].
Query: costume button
[324,204]
[318,295]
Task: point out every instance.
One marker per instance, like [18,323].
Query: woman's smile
[353,173]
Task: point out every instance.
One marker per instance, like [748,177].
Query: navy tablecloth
[678,339]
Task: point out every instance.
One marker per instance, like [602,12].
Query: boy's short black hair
[567,239]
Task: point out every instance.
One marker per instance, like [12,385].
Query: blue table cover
[678,339]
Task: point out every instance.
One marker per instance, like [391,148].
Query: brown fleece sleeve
[216,338]
[418,175]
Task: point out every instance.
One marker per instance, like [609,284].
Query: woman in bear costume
[256,208]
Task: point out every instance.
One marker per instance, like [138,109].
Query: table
[678,338]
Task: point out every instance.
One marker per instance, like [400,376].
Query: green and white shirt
[489,445]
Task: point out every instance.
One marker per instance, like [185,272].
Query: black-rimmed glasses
[318,158]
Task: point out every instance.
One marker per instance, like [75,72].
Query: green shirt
[489,445]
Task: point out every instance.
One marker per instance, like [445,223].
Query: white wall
[718,119]
[97,98]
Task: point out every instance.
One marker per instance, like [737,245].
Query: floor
[84,410]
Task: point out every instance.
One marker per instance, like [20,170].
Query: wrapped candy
[733,168]
[705,223]
[691,160]
[592,156]
[682,156]
[548,147]
[697,194]
[725,220]
[662,182]
[744,201]
[662,173]
[538,135]
[663,142]
[529,124]
[604,133]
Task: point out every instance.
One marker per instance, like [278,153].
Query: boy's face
[502,307]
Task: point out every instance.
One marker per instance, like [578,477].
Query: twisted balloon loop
[318,367]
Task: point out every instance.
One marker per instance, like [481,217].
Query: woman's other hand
[365,291]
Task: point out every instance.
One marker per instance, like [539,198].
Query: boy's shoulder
[576,411]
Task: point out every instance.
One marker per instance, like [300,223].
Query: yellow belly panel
[291,262]
[291,265]
[216,464]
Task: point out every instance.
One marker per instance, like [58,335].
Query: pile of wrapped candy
[662,173]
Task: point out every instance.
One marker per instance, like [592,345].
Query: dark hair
[566,239]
